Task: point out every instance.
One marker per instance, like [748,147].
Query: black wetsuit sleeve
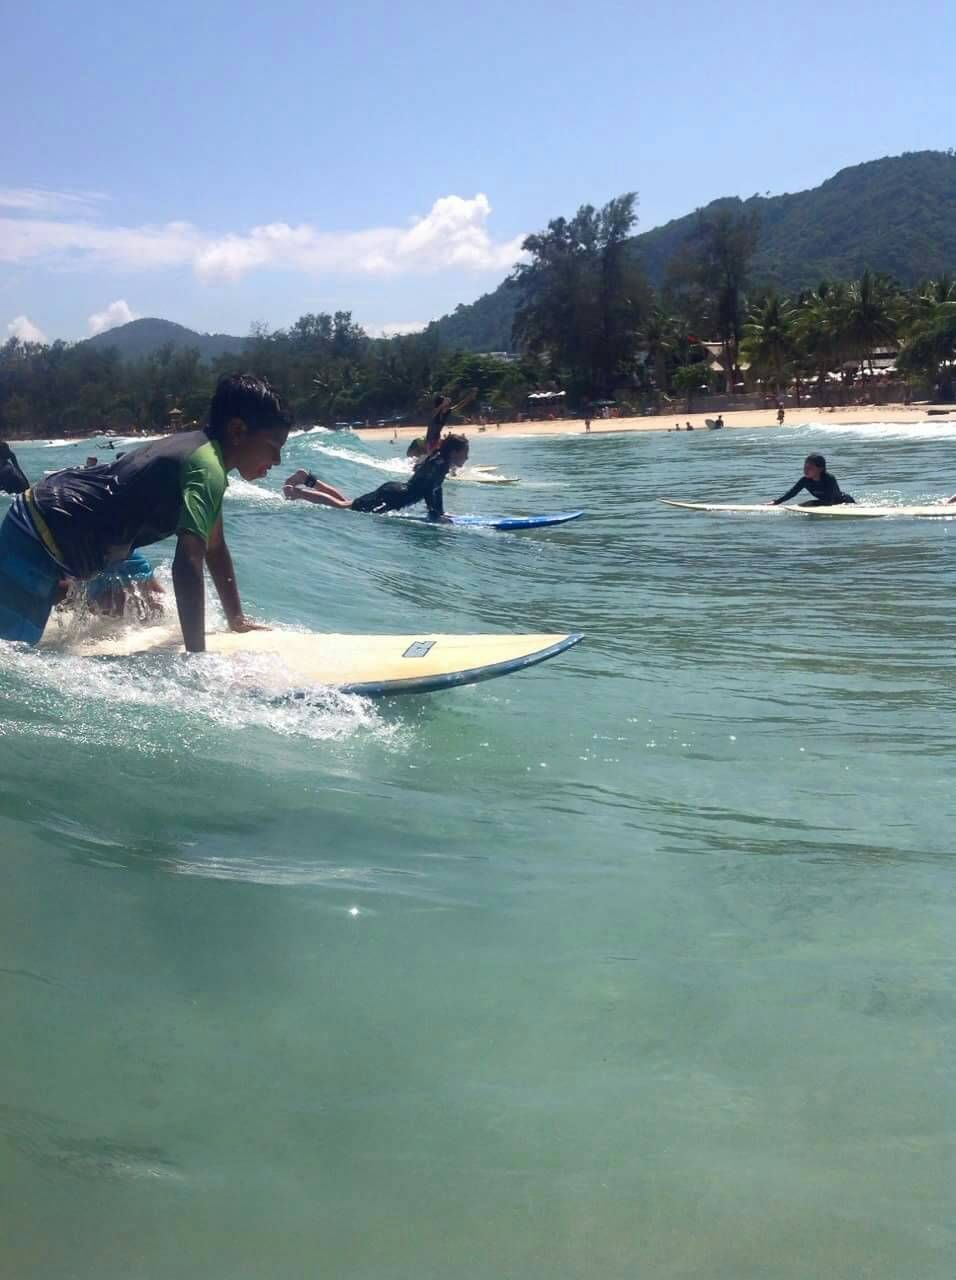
[433,434]
[435,502]
[792,493]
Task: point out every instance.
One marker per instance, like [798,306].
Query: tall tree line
[586,321]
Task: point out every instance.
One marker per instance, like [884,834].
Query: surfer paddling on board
[819,483]
[76,522]
[442,411]
[424,485]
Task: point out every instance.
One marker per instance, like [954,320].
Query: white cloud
[22,327]
[453,234]
[116,313]
[397,328]
[37,200]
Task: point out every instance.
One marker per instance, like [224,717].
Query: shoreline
[896,414]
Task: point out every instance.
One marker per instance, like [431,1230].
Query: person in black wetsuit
[819,483]
[12,479]
[425,485]
[443,409]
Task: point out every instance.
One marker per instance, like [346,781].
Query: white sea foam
[126,700]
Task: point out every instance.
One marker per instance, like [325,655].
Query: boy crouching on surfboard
[819,483]
[76,522]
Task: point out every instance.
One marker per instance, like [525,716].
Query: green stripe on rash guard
[204,480]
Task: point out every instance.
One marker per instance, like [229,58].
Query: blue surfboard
[505,522]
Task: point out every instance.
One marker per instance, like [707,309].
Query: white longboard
[765,507]
[481,475]
[375,665]
[858,511]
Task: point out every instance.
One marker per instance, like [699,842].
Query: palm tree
[658,337]
[869,316]
[818,330]
[769,338]
[930,350]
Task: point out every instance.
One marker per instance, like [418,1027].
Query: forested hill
[896,215]
[142,338]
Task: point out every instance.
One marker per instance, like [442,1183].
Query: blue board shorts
[29,584]
[135,568]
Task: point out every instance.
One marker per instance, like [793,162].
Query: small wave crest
[166,701]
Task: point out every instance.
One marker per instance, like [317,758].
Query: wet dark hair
[816,460]
[243,395]
[451,444]
[437,401]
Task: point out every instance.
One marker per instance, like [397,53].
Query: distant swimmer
[12,479]
[424,485]
[442,411]
[76,522]
[819,483]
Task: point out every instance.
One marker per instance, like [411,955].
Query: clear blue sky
[144,145]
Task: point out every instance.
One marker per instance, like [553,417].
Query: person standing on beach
[75,523]
[781,414]
[12,479]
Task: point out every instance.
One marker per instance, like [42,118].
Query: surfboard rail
[502,523]
[454,679]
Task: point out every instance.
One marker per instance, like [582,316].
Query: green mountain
[142,338]
[896,215]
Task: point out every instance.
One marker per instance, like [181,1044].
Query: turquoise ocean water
[640,963]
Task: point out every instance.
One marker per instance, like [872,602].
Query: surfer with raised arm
[424,485]
[442,411]
[75,522]
[819,483]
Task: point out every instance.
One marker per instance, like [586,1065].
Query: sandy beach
[749,418]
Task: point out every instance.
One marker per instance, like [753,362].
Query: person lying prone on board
[425,485]
[75,522]
[819,483]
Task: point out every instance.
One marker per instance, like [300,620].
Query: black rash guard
[826,491]
[425,486]
[88,517]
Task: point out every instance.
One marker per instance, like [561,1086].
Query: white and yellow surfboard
[372,665]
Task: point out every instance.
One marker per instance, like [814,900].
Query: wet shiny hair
[452,444]
[816,460]
[243,395]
